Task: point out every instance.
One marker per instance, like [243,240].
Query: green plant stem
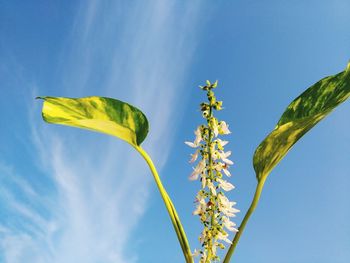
[170,208]
[250,211]
[210,174]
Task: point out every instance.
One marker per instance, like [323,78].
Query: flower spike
[212,206]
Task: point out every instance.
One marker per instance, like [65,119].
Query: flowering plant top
[213,208]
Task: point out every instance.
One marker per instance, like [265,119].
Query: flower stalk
[181,235]
[213,207]
[250,211]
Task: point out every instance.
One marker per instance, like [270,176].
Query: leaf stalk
[181,235]
[250,211]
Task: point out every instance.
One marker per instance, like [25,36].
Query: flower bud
[218,105]
[204,106]
[212,101]
[210,93]
[204,87]
[205,114]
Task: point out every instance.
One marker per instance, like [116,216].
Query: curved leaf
[301,115]
[119,119]
[100,114]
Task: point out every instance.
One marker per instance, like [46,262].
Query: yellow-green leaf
[301,115]
[100,114]
[119,119]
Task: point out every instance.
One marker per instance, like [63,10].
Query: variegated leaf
[100,114]
[302,114]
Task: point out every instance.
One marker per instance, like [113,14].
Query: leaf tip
[40,98]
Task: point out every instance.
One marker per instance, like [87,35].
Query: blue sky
[69,195]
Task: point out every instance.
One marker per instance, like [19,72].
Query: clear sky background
[69,195]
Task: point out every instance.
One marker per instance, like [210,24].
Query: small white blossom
[202,205]
[197,140]
[211,187]
[194,156]
[222,167]
[191,144]
[198,134]
[196,253]
[226,207]
[227,172]
[222,143]
[203,235]
[215,128]
[215,155]
[229,224]
[218,166]
[223,237]
[224,155]
[225,185]
[223,127]
[204,181]
[198,170]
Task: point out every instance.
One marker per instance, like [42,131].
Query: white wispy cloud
[139,53]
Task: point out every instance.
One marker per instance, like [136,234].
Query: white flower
[222,166]
[223,128]
[222,143]
[198,134]
[230,211]
[196,253]
[229,224]
[204,180]
[215,128]
[211,187]
[194,157]
[225,185]
[191,144]
[223,155]
[218,166]
[198,170]
[226,207]
[197,140]
[223,200]
[223,237]
[215,155]
[227,172]
[201,207]
[203,236]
